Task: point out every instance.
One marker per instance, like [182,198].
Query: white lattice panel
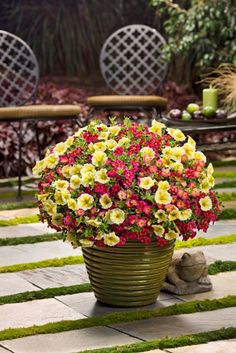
[18,71]
[131,60]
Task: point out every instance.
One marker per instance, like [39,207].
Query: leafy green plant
[200,34]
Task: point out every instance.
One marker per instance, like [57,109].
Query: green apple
[209,112]
[192,107]
[186,116]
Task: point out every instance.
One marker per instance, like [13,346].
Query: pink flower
[118,151]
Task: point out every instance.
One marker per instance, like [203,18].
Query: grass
[213,269]
[13,194]
[31,239]
[19,220]
[170,342]
[226,184]
[229,213]
[17,205]
[120,317]
[224,163]
[44,293]
[70,260]
[226,174]
[205,241]
[224,196]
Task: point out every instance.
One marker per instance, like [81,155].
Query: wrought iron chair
[132,65]
[19,75]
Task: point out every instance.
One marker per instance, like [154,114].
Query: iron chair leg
[37,138]
[19,134]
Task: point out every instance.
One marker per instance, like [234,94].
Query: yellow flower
[111,239]
[75,169]
[50,207]
[99,146]
[206,203]
[114,130]
[161,216]
[51,161]
[85,202]
[101,176]
[146,183]
[210,169]
[75,181]
[171,235]
[69,141]
[162,197]
[211,180]
[105,201]
[156,127]
[200,156]
[173,215]
[189,149]
[72,204]
[87,179]
[176,134]
[99,158]
[42,197]
[186,214]
[177,167]
[93,222]
[60,148]
[57,219]
[111,144]
[86,243]
[60,184]
[191,141]
[205,186]
[117,216]
[62,197]
[167,152]
[147,152]
[38,168]
[158,230]
[177,153]
[123,140]
[163,185]
[88,167]
[65,171]
[103,135]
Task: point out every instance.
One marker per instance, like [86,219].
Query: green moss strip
[224,163]
[226,174]
[120,317]
[13,194]
[226,184]
[44,293]
[165,343]
[225,196]
[213,269]
[221,266]
[205,241]
[70,260]
[14,182]
[19,220]
[31,239]
[17,205]
[229,213]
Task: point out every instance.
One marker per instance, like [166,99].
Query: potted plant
[125,193]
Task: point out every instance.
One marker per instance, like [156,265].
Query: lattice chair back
[19,72]
[131,60]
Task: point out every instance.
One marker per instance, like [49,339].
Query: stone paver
[226,252]
[223,284]
[3,350]
[178,325]
[36,312]
[221,190]
[24,253]
[24,212]
[86,304]
[211,347]
[70,341]
[219,228]
[25,230]
[11,283]
[56,276]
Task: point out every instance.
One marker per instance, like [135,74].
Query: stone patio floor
[83,305]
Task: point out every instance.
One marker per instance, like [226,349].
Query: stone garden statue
[188,274]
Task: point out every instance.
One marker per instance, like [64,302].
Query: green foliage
[201,35]
[17,205]
[31,239]
[229,213]
[19,220]
[225,196]
[226,184]
[119,317]
[205,241]
[221,266]
[226,174]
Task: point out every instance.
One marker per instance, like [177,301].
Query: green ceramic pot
[128,276]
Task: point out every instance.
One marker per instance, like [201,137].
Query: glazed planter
[128,276]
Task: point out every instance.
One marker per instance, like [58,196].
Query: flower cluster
[105,185]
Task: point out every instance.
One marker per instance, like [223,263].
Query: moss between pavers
[226,174]
[165,343]
[31,239]
[115,318]
[227,196]
[205,241]
[226,184]
[17,205]
[224,163]
[216,267]
[13,194]
[19,220]
[14,182]
[229,213]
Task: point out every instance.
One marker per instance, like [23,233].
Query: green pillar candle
[210,98]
